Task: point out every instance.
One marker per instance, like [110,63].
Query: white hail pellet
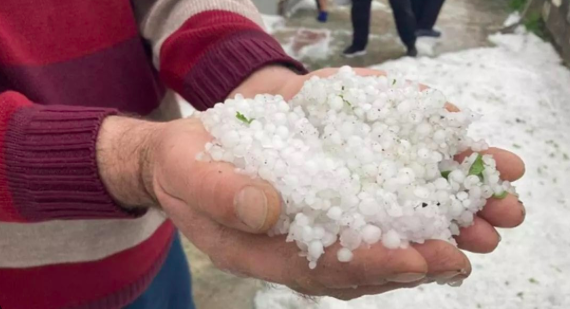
[357,160]
[344,255]
[371,234]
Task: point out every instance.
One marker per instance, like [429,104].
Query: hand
[226,215]
[481,237]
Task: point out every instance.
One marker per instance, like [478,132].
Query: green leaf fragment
[243,118]
[501,195]
[344,100]
[517,146]
[393,82]
[532,280]
[445,174]
[478,167]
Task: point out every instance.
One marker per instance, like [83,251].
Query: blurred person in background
[413,18]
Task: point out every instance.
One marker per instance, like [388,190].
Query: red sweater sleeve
[213,52]
[48,168]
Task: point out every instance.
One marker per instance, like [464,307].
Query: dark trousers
[409,15]
[360,16]
[426,12]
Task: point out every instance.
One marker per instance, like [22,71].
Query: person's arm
[48,166]
[206,48]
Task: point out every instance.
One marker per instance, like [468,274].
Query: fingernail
[500,237]
[446,275]
[456,283]
[251,207]
[449,276]
[406,277]
[523,209]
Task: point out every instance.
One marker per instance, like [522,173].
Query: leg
[323,10]
[360,15]
[405,22]
[430,12]
[417,8]
[323,5]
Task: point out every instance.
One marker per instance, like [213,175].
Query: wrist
[269,79]
[125,148]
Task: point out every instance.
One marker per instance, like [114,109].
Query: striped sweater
[64,66]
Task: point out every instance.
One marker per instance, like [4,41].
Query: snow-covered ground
[524,94]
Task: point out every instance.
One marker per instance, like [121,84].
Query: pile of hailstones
[358,159]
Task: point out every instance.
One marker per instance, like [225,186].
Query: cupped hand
[227,215]
[482,236]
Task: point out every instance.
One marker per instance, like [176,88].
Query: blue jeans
[172,287]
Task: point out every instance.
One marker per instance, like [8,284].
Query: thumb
[232,199]
[213,189]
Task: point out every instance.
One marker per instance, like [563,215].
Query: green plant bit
[344,100]
[243,118]
[501,196]
[445,174]
[478,167]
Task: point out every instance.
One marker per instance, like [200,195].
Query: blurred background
[503,58]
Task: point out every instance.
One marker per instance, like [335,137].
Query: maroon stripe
[196,36]
[226,64]
[51,167]
[120,77]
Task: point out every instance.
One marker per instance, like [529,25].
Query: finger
[507,212]
[451,108]
[369,72]
[234,200]
[481,237]
[509,164]
[326,72]
[274,260]
[445,262]
[260,256]
[370,266]
[356,292]
[215,189]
